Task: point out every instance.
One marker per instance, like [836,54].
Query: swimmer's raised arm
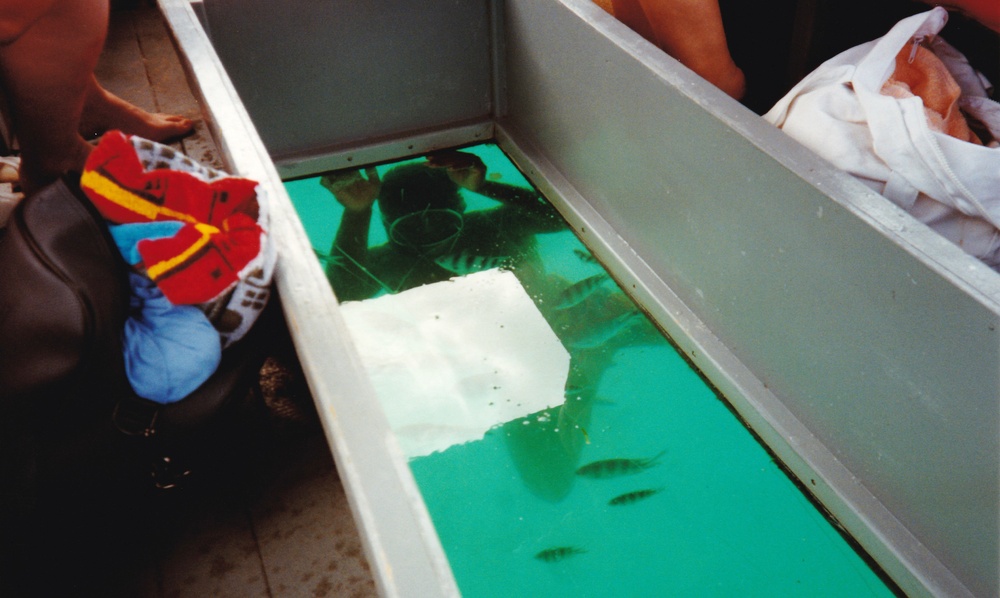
[351,190]
[357,194]
[464,169]
[510,194]
[469,172]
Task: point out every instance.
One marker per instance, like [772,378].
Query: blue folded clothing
[170,350]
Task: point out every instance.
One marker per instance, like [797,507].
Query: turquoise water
[642,483]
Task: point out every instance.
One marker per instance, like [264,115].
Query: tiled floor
[281,527]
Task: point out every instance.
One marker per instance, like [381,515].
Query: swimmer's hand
[351,190]
[465,170]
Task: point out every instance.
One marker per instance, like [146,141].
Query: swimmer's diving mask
[432,230]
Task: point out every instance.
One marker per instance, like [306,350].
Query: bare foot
[103,111]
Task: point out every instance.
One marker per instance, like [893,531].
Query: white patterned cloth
[888,143]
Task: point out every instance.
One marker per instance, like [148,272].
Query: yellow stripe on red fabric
[116,194]
[159,268]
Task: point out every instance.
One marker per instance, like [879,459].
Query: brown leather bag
[63,296]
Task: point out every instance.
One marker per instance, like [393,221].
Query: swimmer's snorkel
[433,231]
[421,209]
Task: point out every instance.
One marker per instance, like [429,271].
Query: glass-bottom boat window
[562,445]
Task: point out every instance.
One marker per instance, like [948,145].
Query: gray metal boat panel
[866,326]
[861,346]
[362,70]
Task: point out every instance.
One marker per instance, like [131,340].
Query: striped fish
[466,263]
[577,292]
[585,257]
[573,392]
[604,331]
[613,468]
[553,555]
[631,497]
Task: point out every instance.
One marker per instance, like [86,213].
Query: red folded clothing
[220,236]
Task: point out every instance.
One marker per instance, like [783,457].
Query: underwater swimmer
[48,52]
[426,222]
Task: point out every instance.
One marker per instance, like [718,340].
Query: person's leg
[689,30]
[986,12]
[631,14]
[46,66]
[48,51]
[16,16]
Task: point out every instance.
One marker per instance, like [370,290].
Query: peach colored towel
[919,72]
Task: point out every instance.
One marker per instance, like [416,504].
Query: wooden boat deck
[286,531]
